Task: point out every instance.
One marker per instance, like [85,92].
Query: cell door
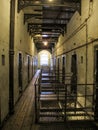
[96,84]
[63,69]
[54,64]
[20,73]
[28,69]
[32,68]
[74,74]
[58,68]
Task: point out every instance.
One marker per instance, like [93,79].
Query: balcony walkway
[24,116]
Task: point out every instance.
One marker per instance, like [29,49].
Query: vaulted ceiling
[47,19]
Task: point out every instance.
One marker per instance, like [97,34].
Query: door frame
[63,67]
[28,68]
[96,86]
[74,75]
[20,61]
[58,67]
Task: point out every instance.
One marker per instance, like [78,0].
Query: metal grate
[70,126]
[54,101]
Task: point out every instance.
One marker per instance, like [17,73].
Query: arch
[44,58]
[48,50]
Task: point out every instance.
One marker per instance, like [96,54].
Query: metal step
[48,76]
[47,90]
[52,109]
[51,95]
[48,81]
[51,99]
[51,115]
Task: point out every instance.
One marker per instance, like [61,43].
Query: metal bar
[36,120]
[64,110]
[65,118]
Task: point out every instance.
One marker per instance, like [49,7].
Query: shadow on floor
[67,126]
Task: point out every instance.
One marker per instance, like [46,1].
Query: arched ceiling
[47,19]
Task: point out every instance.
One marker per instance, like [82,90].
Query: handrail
[63,87]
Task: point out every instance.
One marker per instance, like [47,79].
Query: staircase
[50,95]
[54,103]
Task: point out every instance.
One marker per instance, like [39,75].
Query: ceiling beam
[46,31]
[45,24]
[29,16]
[50,18]
[54,10]
[39,16]
[25,3]
[57,28]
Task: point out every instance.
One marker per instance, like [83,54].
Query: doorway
[58,69]
[44,59]
[96,85]
[28,69]
[20,73]
[32,68]
[63,69]
[74,74]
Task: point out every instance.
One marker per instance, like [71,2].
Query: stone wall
[24,45]
[4,56]
[81,39]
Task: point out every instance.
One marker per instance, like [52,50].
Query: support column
[11,57]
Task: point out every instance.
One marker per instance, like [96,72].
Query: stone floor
[23,118]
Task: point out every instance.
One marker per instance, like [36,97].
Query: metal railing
[67,105]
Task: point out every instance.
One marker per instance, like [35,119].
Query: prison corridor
[45,105]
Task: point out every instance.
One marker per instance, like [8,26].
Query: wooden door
[58,68]
[74,74]
[32,68]
[28,69]
[96,85]
[20,73]
[63,69]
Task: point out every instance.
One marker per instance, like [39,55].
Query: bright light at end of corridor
[50,0]
[45,43]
